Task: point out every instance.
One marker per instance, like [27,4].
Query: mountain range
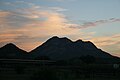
[57,48]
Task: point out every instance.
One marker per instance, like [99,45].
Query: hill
[64,49]
[11,51]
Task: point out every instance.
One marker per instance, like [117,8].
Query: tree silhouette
[88,59]
[42,58]
[44,75]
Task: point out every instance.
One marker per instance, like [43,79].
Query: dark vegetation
[20,70]
[44,75]
[42,58]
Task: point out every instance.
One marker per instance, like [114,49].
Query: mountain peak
[56,39]
[11,51]
[89,45]
[78,41]
[10,45]
[53,39]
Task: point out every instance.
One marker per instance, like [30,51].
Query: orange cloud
[106,41]
[25,28]
[4,13]
[110,44]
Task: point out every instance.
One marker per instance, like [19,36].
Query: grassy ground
[52,72]
[47,73]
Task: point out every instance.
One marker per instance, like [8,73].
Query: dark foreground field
[44,70]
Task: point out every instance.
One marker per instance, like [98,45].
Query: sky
[29,23]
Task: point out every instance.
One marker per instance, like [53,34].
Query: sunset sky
[29,23]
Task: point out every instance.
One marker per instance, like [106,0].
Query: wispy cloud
[107,40]
[110,44]
[59,9]
[61,0]
[95,23]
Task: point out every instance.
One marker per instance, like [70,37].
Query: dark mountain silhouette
[11,51]
[57,48]
[63,49]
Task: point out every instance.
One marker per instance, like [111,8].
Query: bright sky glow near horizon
[29,23]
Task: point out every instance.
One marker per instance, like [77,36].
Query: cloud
[61,0]
[28,25]
[95,23]
[4,13]
[59,9]
[107,40]
[110,44]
